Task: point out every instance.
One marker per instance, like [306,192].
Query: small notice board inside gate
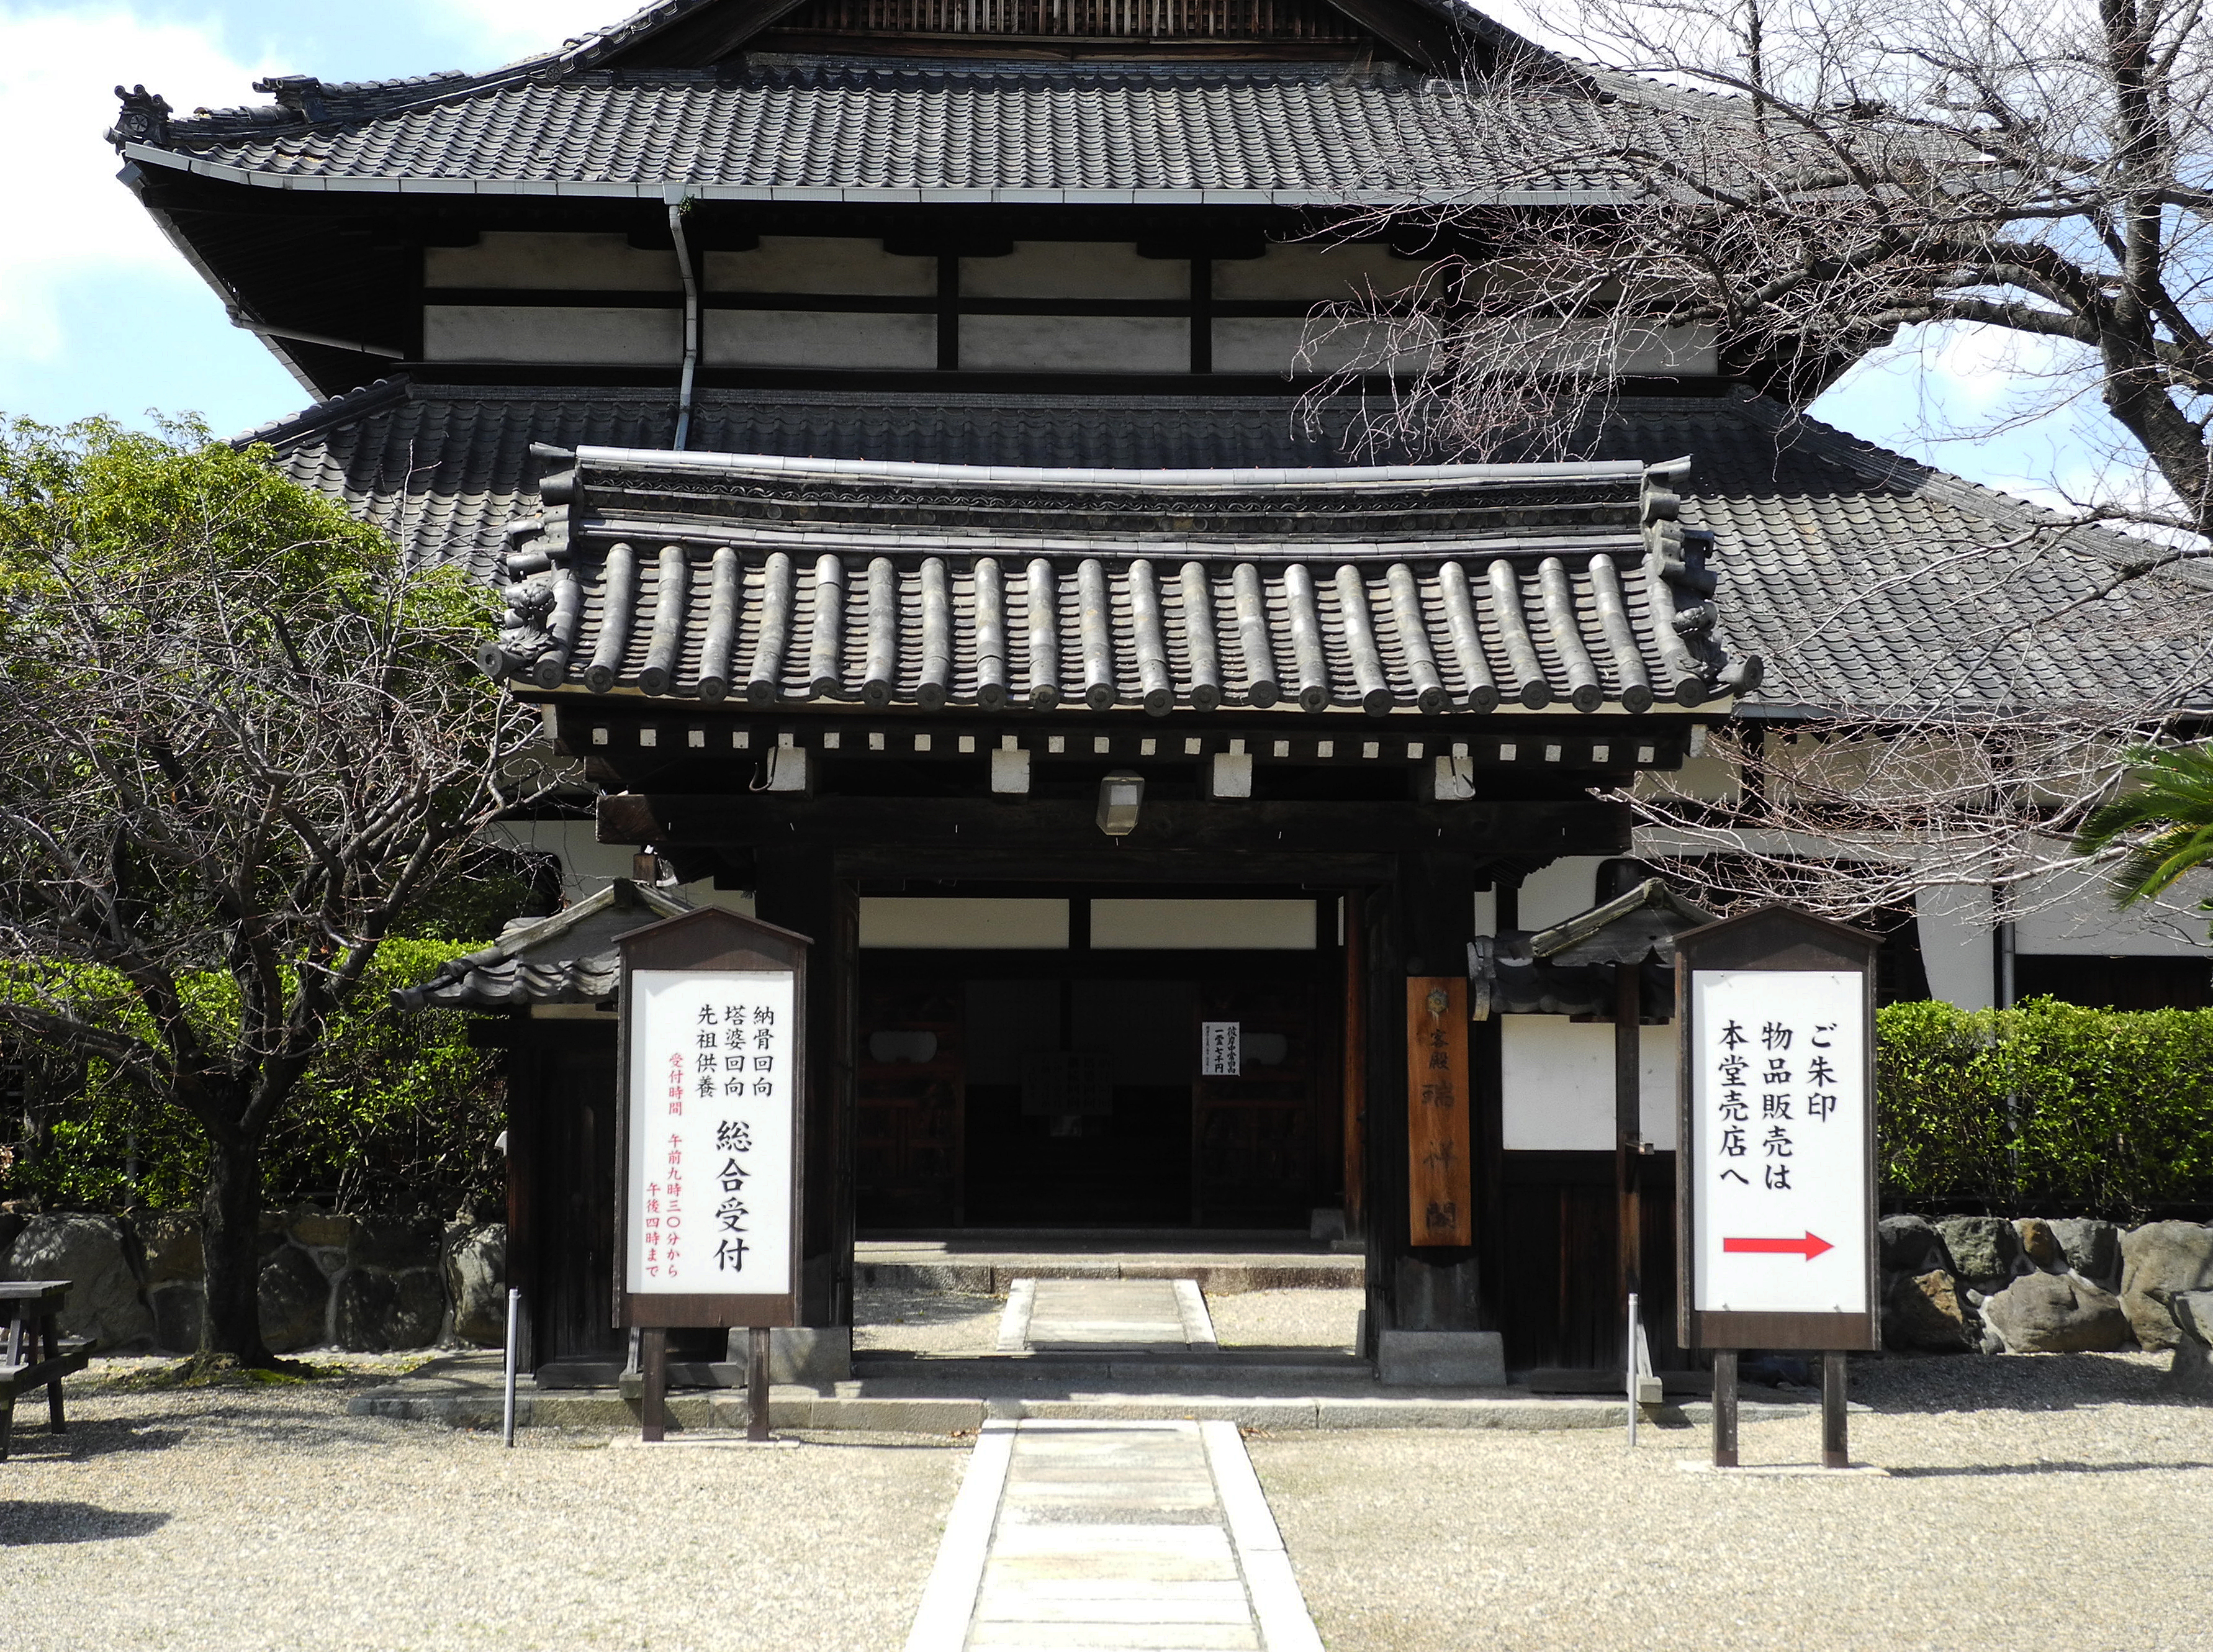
[1775,1198]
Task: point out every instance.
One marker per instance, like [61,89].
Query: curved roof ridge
[347,404]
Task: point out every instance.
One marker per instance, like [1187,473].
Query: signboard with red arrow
[1777,1188]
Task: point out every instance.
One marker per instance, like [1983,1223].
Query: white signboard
[1779,1096]
[710,1146]
[1221,1049]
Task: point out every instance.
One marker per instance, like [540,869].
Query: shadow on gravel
[23,1524]
[86,1440]
[1954,1470]
[2012,1382]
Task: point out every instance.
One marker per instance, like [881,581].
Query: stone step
[992,1276]
[1117,1366]
[956,1413]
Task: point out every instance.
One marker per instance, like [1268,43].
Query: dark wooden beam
[960,828]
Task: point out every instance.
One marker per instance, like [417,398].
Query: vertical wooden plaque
[1439,1144]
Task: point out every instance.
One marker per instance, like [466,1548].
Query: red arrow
[1809,1247]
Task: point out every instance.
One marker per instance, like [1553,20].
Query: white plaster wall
[1277,345]
[1202,925]
[1953,920]
[825,338]
[484,332]
[510,257]
[902,922]
[2072,912]
[820,263]
[1558,1090]
[1310,270]
[1561,890]
[1486,912]
[1692,351]
[1065,343]
[587,865]
[1074,269]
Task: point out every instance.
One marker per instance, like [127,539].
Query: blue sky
[99,315]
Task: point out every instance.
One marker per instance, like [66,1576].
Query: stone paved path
[1152,1537]
[1095,1315]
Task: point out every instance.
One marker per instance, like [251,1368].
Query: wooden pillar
[1355,1062]
[1432,1287]
[1628,1129]
[799,890]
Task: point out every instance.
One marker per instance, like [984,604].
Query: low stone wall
[366,1283]
[2034,1285]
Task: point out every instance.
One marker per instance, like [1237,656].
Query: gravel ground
[893,1317]
[2057,1501]
[244,1519]
[1285,1319]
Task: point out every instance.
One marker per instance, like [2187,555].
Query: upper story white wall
[508,300]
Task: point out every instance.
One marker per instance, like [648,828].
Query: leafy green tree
[236,737]
[2163,820]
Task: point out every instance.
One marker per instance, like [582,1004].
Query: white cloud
[70,217]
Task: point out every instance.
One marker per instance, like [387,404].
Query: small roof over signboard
[713,937]
[1776,936]
[1627,930]
[1557,971]
[570,957]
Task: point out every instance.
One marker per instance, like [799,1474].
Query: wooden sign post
[1438,1177]
[714,1090]
[1775,1192]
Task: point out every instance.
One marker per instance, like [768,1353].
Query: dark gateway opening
[1062,1085]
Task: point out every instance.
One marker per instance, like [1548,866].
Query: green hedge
[398,1114]
[2084,1109]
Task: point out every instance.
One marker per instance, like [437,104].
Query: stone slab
[1472,1359]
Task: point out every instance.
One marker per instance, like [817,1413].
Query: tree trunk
[232,1241]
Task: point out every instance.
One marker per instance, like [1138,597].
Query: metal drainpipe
[691,324]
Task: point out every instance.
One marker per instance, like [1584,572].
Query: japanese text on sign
[1779,1122]
[1221,1049]
[711,1148]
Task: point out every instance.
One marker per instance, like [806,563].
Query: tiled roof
[569,958]
[1865,581]
[1286,134]
[778,581]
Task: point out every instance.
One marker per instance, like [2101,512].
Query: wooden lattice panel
[1144,20]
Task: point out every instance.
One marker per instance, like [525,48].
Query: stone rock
[179,1311]
[1912,1245]
[2038,1243]
[295,1300]
[2193,1371]
[317,1231]
[378,1311]
[2092,1249]
[1455,1359]
[393,1243]
[1986,1250]
[173,1250]
[476,1283]
[105,1303]
[2160,1261]
[2056,1313]
[1923,1312]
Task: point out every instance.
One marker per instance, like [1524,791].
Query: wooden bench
[30,1307]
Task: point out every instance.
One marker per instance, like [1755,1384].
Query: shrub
[2048,1101]
[398,1113]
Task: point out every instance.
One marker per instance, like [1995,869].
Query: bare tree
[237,744]
[1785,187]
